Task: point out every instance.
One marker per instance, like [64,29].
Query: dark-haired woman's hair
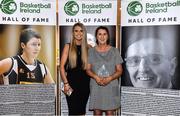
[25,36]
[104,28]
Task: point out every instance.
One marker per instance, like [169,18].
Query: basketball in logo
[8,6]
[134,8]
[71,8]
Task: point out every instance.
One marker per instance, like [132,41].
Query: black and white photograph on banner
[27,55]
[151,56]
[66,34]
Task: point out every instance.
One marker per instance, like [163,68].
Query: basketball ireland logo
[134,8]
[71,8]
[8,6]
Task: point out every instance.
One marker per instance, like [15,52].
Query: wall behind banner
[9,43]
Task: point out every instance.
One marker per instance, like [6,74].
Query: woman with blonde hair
[73,71]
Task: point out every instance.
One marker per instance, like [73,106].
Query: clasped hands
[103,81]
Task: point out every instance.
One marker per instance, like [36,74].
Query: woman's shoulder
[7,60]
[66,46]
[6,65]
[39,61]
[91,50]
[114,48]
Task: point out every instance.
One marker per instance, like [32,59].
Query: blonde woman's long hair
[73,49]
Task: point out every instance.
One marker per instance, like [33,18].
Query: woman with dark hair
[104,68]
[24,68]
[73,74]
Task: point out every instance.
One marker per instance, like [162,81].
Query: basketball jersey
[22,73]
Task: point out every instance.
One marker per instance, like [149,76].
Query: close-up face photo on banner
[151,56]
[23,62]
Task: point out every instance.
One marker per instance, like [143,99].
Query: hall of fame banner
[150,37]
[16,15]
[91,13]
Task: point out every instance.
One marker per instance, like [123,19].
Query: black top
[22,73]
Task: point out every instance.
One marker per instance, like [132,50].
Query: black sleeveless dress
[79,81]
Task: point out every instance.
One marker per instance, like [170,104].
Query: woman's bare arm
[63,61]
[5,65]
[48,78]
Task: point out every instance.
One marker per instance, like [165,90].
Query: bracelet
[66,83]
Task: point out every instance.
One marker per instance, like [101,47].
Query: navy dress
[79,81]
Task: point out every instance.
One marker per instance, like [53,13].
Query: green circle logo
[8,6]
[71,8]
[134,8]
